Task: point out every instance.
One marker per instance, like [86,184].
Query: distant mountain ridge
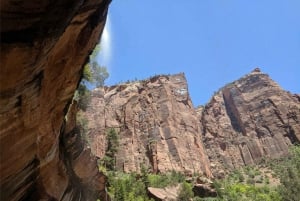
[158,126]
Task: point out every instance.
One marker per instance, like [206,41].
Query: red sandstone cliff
[43,48]
[244,122]
[248,120]
[156,122]
[44,45]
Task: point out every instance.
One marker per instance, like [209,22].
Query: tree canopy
[93,75]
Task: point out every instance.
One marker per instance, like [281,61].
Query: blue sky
[213,42]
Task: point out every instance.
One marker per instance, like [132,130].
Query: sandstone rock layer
[248,120]
[43,48]
[156,122]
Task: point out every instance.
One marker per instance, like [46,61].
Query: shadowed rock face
[44,45]
[248,120]
[156,122]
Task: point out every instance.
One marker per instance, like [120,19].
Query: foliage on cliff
[185,192]
[133,186]
[247,184]
[93,75]
[255,188]
[127,187]
[108,161]
[93,72]
[251,184]
[288,170]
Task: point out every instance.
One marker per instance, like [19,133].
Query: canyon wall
[243,123]
[156,123]
[43,48]
[44,45]
[249,120]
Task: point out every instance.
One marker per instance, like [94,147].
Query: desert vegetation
[273,180]
[93,75]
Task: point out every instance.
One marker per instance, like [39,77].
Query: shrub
[82,126]
[112,139]
[289,173]
[185,192]
[267,180]
[260,180]
[241,178]
[206,199]
[126,187]
[83,97]
[158,181]
[176,177]
[250,181]
[231,189]
[163,180]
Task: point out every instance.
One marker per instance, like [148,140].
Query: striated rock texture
[248,120]
[43,48]
[85,181]
[156,122]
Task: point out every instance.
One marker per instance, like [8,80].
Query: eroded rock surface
[43,48]
[164,194]
[248,120]
[156,122]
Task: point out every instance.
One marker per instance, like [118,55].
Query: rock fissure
[232,112]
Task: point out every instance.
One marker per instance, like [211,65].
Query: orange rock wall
[248,120]
[156,122]
[43,48]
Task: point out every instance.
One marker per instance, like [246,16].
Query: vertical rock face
[244,122]
[156,122]
[85,181]
[43,48]
[248,120]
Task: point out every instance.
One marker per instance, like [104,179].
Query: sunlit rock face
[156,122]
[44,45]
[248,120]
